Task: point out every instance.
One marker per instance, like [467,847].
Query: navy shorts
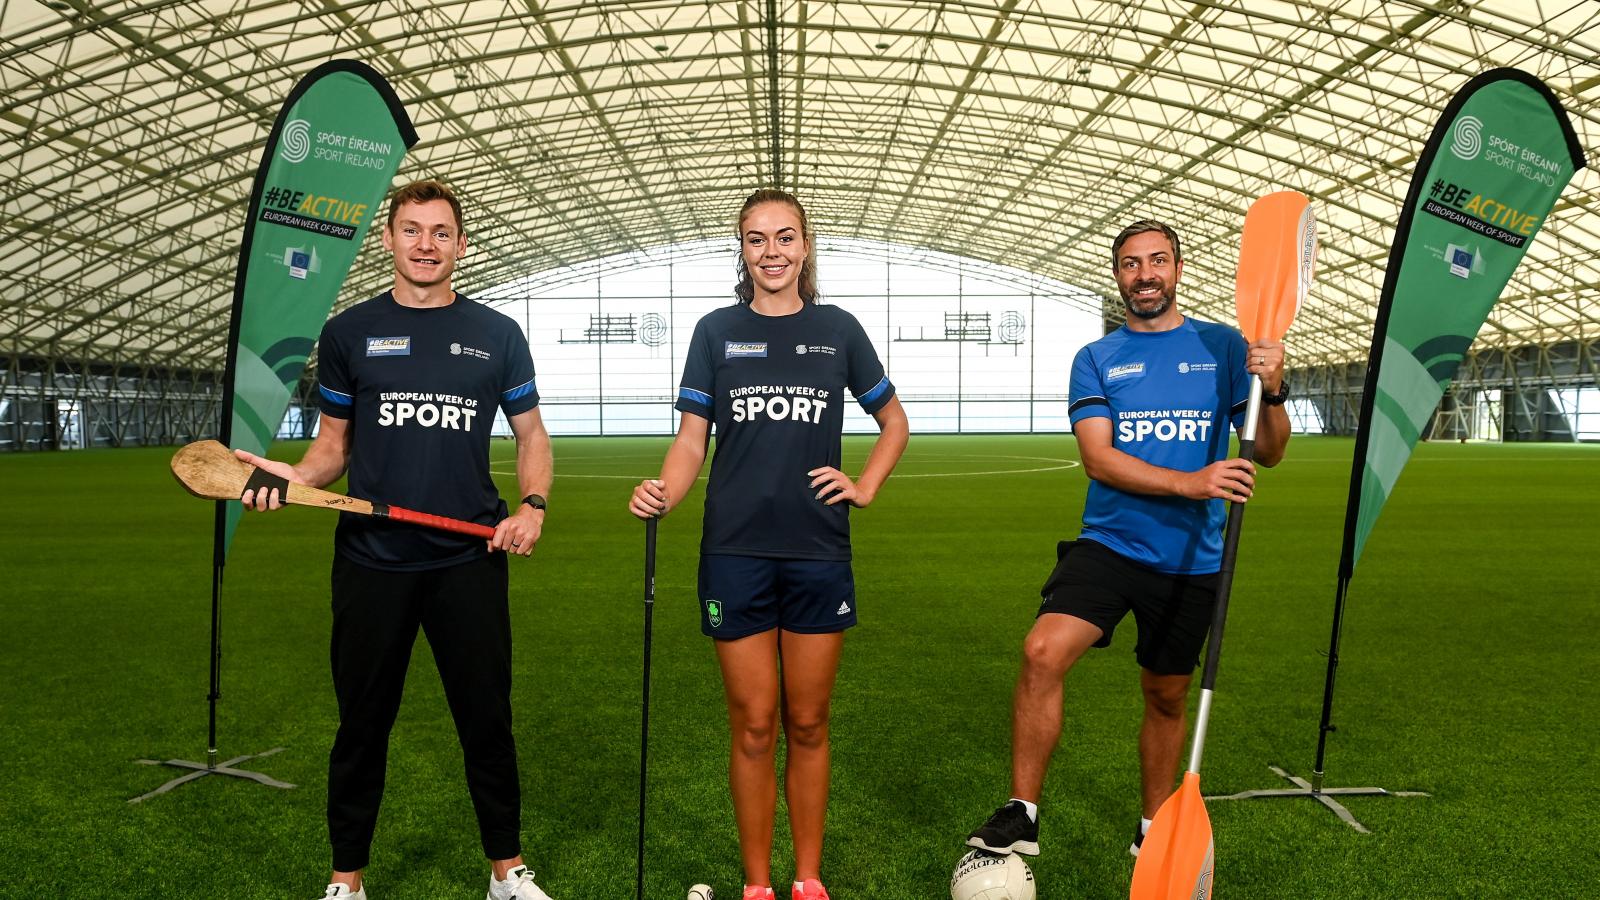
[745,595]
[1101,586]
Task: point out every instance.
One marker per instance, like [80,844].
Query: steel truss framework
[1516,386]
[1021,132]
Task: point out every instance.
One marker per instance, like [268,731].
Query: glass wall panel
[970,346]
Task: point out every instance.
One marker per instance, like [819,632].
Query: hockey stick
[644,727]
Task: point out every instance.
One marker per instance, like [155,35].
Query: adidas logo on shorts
[844,608]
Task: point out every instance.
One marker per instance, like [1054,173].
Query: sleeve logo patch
[1125,371]
[735,349]
[389,346]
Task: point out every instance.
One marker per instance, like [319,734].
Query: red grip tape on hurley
[401,514]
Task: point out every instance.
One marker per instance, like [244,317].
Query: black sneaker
[1008,831]
[1138,840]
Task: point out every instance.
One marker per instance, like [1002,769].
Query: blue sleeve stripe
[335,397]
[1088,401]
[694,396]
[518,392]
[876,392]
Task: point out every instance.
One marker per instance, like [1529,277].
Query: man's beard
[1154,312]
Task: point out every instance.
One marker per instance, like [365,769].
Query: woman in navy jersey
[770,372]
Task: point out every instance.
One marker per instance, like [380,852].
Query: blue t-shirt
[1169,396]
[420,388]
[773,387]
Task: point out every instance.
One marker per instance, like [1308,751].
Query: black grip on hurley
[261,480]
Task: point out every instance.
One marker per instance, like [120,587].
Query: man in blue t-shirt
[410,381]
[1151,405]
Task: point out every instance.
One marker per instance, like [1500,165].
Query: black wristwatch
[536,501]
[1278,399]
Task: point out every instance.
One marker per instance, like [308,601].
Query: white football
[981,875]
[700,892]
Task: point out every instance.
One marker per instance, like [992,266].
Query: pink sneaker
[758,893]
[811,889]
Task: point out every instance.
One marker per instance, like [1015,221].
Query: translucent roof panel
[1022,132]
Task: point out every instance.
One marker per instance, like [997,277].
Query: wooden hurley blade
[1277,256]
[210,470]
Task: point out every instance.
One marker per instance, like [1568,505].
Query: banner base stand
[201,770]
[1303,788]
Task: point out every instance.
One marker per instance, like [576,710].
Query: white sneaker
[518,885]
[343,892]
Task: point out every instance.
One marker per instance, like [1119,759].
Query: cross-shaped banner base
[1303,788]
[201,770]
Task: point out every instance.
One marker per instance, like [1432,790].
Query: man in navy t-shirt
[410,381]
[1151,406]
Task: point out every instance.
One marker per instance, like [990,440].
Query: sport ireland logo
[1466,137]
[296,141]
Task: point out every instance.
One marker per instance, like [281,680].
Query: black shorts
[1100,586]
[745,595]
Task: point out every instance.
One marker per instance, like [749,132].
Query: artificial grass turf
[1468,673]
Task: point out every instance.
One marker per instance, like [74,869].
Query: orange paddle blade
[1277,253]
[1176,858]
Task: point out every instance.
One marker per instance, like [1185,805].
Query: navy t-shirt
[773,387]
[1170,396]
[420,388]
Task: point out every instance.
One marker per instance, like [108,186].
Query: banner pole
[1326,725]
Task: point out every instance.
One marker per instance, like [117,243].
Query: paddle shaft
[1230,551]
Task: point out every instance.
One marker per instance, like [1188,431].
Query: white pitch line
[1067,464]
[1064,464]
[1460,459]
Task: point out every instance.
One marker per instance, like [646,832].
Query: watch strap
[1280,398]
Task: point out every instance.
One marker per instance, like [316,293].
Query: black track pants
[463,611]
